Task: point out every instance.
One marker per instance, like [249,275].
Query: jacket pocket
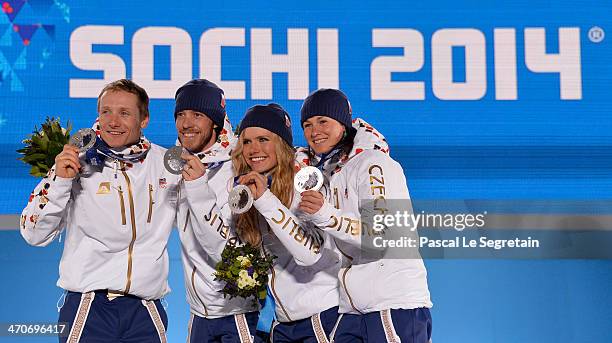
[122,205]
[151,202]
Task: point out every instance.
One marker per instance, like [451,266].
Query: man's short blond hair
[130,87]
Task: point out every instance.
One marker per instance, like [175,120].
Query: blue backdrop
[478,100]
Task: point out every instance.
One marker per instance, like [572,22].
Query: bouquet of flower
[245,271]
[43,145]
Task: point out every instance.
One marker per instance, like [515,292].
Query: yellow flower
[244,280]
[245,262]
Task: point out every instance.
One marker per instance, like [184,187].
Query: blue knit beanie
[271,117]
[202,96]
[327,102]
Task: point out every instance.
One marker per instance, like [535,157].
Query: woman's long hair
[282,185]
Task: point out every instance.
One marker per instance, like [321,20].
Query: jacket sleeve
[44,217]
[378,180]
[211,217]
[303,244]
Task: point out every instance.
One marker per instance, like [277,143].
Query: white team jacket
[204,232]
[368,173]
[304,278]
[306,273]
[117,222]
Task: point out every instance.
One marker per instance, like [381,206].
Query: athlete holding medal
[303,280]
[381,300]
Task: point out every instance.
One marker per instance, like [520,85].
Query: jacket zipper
[195,291]
[276,296]
[344,278]
[133,218]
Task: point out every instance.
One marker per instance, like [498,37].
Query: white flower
[244,280]
[245,262]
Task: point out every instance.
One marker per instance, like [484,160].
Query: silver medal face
[173,161]
[84,139]
[240,199]
[308,179]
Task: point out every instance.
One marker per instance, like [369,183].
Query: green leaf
[43,145]
[36,157]
[34,171]
[40,143]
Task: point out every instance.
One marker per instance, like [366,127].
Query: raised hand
[67,163]
[193,168]
[312,201]
[256,182]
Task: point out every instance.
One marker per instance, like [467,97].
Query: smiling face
[322,133]
[120,119]
[259,149]
[195,130]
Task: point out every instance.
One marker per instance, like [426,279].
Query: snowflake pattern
[36,38]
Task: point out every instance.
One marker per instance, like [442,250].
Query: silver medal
[308,179]
[173,161]
[84,139]
[240,199]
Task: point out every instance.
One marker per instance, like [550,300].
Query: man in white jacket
[204,130]
[118,206]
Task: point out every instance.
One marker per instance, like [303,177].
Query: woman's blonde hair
[282,185]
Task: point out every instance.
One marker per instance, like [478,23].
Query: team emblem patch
[104,188]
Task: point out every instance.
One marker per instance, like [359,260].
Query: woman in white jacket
[381,299]
[303,280]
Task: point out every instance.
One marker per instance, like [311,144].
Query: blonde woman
[303,280]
